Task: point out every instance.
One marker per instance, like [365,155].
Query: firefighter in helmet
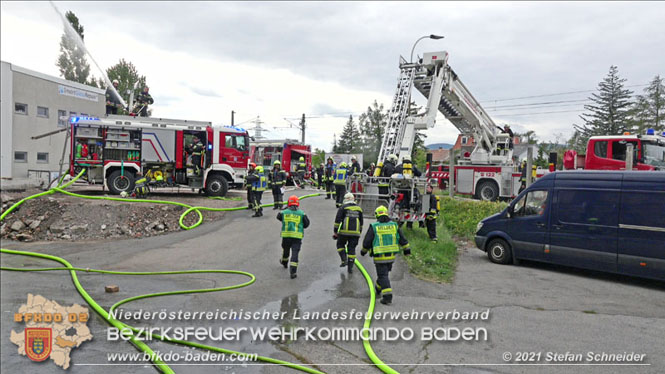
[277,178]
[347,229]
[300,171]
[248,185]
[319,176]
[142,101]
[329,177]
[294,222]
[383,241]
[340,183]
[259,183]
[196,149]
[112,99]
[355,166]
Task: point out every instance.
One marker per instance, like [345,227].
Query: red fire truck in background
[115,149]
[288,152]
[609,152]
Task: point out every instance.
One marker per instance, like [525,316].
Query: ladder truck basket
[367,194]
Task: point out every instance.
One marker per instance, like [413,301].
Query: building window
[464,140]
[42,157]
[21,108]
[62,118]
[42,112]
[20,156]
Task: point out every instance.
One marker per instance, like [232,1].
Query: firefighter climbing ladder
[399,111]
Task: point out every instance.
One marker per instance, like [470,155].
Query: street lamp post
[432,36]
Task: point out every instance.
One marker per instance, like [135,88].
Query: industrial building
[32,104]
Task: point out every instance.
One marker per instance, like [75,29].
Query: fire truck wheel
[488,191]
[217,186]
[499,251]
[118,183]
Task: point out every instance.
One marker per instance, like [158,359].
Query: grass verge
[431,261]
[462,216]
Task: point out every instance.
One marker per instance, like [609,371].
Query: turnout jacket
[294,222]
[349,220]
[383,240]
[277,178]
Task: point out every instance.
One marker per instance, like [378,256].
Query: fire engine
[115,149]
[287,151]
[609,152]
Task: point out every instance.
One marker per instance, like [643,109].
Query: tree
[419,151]
[335,147]
[127,75]
[649,109]
[71,62]
[349,141]
[372,125]
[318,158]
[609,114]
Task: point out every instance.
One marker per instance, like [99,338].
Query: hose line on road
[120,325]
[134,338]
[368,321]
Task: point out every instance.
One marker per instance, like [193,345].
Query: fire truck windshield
[654,154]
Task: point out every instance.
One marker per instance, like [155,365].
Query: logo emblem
[38,343]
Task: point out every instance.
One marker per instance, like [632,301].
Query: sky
[532,65]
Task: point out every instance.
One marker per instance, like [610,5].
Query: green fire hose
[163,367]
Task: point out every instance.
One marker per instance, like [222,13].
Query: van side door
[528,226]
[642,227]
[584,227]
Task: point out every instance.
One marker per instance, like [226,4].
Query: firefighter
[355,167]
[300,171]
[407,168]
[294,222]
[340,183]
[112,100]
[248,185]
[142,101]
[432,214]
[522,177]
[259,183]
[319,176]
[347,229]
[277,179]
[196,149]
[383,241]
[141,189]
[372,167]
[385,171]
[329,177]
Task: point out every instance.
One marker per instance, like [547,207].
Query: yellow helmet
[276,162]
[381,211]
[259,169]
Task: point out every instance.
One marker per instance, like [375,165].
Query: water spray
[73,35]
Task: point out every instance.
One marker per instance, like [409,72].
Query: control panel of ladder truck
[487,172]
[118,150]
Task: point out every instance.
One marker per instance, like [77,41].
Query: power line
[554,94]
[541,103]
[536,113]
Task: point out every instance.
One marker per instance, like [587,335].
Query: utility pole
[302,128]
[232,117]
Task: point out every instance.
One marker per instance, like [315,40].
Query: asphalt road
[532,308]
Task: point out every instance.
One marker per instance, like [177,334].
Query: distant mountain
[436,146]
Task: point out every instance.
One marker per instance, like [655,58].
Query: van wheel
[499,251]
[216,186]
[488,191]
[118,183]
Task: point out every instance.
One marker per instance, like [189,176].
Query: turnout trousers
[290,246]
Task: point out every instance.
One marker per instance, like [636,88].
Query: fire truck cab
[118,150]
[288,152]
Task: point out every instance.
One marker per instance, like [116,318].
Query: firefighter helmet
[349,198]
[252,165]
[293,201]
[381,211]
[407,159]
[115,81]
[259,169]
[343,165]
[301,159]
[276,162]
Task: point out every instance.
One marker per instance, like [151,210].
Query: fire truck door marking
[153,135]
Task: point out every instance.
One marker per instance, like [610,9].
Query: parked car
[600,220]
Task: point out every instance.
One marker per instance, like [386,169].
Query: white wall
[6,124]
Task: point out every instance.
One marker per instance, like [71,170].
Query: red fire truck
[609,152]
[288,152]
[115,149]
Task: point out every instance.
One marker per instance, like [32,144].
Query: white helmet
[115,81]
[349,198]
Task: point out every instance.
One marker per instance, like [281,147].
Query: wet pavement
[532,308]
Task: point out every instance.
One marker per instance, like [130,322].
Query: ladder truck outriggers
[115,149]
[488,172]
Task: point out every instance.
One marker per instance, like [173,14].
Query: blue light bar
[77,119]
[209,146]
[236,128]
[651,132]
